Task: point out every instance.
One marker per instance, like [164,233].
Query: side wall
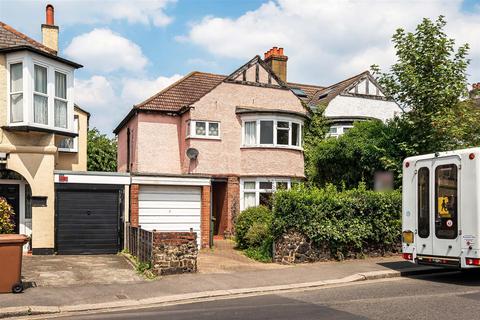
[122,165]
[75,161]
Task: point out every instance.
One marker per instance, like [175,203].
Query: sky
[132,49]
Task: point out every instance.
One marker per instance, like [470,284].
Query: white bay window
[279,132]
[40,93]
[259,191]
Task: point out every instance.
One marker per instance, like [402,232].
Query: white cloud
[137,90]
[106,51]
[329,40]
[109,99]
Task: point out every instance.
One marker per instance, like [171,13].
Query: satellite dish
[192,153]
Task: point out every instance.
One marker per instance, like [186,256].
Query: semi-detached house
[209,146]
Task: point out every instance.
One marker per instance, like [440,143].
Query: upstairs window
[40,95]
[203,129]
[16,92]
[272,133]
[60,100]
[70,144]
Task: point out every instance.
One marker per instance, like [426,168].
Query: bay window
[16,92]
[203,129]
[259,191]
[40,93]
[264,132]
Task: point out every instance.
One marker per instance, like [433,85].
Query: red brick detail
[205,220]
[134,190]
[233,200]
[173,238]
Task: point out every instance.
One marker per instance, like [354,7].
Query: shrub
[6,217]
[355,220]
[252,225]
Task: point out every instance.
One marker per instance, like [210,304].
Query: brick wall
[174,252]
[134,190]
[205,219]
[233,200]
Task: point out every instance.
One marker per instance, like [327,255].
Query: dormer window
[41,93]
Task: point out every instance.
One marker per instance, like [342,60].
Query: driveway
[61,271]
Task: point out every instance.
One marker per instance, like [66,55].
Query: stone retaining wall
[174,252]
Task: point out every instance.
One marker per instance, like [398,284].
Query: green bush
[355,220]
[253,226]
[6,217]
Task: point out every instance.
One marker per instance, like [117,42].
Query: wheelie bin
[11,262]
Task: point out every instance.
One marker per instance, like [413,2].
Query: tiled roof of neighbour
[325,95]
[9,37]
[182,93]
[309,89]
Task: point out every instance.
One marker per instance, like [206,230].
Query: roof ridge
[26,38]
[166,89]
[348,79]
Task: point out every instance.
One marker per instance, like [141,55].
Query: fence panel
[139,243]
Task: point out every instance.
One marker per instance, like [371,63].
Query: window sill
[272,147]
[28,128]
[67,150]
[203,138]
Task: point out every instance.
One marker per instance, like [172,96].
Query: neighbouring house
[210,145]
[358,98]
[43,149]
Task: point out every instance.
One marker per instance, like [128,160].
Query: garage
[88,216]
[170,208]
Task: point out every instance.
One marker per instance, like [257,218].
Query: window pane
[282,132]
[266,185]
[266,132]
[332,130]
[16,105]
[16,79]
[249,185]
[265,199]
[60,85]
[423,202]
[249,200]
[345,129]
[40,109]
[60,113]
[250,133]
[200,128]
[67,143]
[295,134]
[213,129]
[282,185]
[40,79]
[446,207]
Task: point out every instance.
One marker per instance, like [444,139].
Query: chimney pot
[50,16]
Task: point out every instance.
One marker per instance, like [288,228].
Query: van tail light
[472,261]
[407,256]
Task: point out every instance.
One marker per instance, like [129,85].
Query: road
[452,295]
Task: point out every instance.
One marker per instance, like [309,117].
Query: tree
[102,152]
[428,80]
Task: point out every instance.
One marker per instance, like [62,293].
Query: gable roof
[327,94]
[13,40]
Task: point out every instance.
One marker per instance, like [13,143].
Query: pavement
[258,278]
[440,296]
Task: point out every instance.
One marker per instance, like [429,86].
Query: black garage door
[88,218]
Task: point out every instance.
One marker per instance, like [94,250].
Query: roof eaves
[42,53]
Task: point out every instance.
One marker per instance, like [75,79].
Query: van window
[423,202]
[446,201]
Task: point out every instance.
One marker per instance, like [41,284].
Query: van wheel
[17,288]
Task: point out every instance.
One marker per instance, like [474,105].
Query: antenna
[192,153]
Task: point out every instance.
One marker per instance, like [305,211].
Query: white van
[441,209]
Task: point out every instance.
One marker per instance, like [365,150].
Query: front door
[11,193]
[446,207]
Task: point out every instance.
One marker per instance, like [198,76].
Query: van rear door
[424,212]
[445,207]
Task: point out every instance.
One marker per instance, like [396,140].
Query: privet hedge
[346,222]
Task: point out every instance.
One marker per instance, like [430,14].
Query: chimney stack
[277,61]
[50,30]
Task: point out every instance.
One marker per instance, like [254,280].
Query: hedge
[356,220]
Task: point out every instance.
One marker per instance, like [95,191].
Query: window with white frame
[258,191]
[281,132]
[40,92]
[338,130]
[203,129]
[70,144]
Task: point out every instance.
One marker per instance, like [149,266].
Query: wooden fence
[139,243]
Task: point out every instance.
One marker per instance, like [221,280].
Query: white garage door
[170,208]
